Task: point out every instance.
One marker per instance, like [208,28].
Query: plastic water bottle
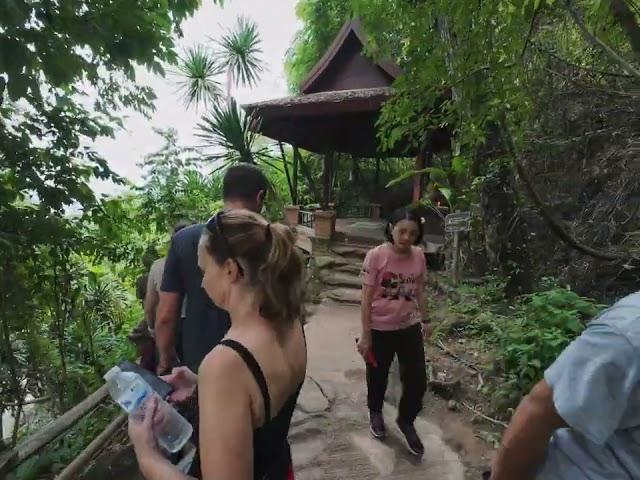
[131,392]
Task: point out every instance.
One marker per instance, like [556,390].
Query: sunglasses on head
[214,226]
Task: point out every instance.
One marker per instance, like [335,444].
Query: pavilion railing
[305,218]
[354,211]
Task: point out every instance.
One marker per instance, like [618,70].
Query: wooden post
[456,257]
[456,223]
[285,164]
[327,176]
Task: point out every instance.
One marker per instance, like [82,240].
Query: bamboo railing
[34,443]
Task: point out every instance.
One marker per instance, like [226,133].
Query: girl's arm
[365,308]
[369,278]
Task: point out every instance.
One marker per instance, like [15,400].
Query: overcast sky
[277,24]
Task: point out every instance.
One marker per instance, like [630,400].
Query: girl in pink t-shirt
[393,305]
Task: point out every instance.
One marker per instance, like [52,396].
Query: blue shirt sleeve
[172,279]
[593,380]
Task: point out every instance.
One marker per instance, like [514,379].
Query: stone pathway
[330,433]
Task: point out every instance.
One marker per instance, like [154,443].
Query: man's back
[205,324]
[596,390]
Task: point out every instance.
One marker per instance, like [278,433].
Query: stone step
[350,251]
[340,279]
[352,268]
[350,296]
[323,262]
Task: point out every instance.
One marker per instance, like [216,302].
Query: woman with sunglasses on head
[247,386]
[393,305]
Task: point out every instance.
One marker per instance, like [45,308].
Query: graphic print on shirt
[396,286]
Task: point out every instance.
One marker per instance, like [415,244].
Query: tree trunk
[229,82]
[505,233]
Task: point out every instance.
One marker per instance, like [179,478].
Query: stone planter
[291,214]
[324,223]
[376,211]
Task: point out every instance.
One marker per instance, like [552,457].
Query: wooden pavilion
[338,107]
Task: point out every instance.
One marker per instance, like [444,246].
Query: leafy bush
[528,334]
[541,327]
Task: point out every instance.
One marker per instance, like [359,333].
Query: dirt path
[330,435]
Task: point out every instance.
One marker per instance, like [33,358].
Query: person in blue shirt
[582,421]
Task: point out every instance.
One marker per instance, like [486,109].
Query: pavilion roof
[339,104]
[340,121]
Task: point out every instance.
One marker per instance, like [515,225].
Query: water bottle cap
[111,374]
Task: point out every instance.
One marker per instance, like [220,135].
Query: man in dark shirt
[205,324]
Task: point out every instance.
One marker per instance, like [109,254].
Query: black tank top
[271,453]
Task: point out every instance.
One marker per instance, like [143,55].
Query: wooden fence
[34,443]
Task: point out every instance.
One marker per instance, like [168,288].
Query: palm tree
[238,54]
[199,69]
[227,129]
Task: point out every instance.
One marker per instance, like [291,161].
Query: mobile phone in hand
[162,388]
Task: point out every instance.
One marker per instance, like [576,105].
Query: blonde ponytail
[280,277]
[270,260]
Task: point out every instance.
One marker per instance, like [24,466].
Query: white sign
[457,222]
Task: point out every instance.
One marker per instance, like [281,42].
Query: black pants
[409,347]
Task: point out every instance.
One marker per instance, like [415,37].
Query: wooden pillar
[327,176]
[417,179]
[376,182]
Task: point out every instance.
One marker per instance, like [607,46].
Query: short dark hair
[404,213]
[243,182]
[179,225]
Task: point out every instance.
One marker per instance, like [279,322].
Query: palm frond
[227,129]
[198,68]
[240,52]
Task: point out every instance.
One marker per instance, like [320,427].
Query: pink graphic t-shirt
[394,278]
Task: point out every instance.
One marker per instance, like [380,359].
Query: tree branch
[626,18]
[613,55]
[556,225]
[531,28]
[582,67]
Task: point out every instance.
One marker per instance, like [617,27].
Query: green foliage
[226,129]
[175,186]
[66,71]
[528,335]
[321,20]
[469,68]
